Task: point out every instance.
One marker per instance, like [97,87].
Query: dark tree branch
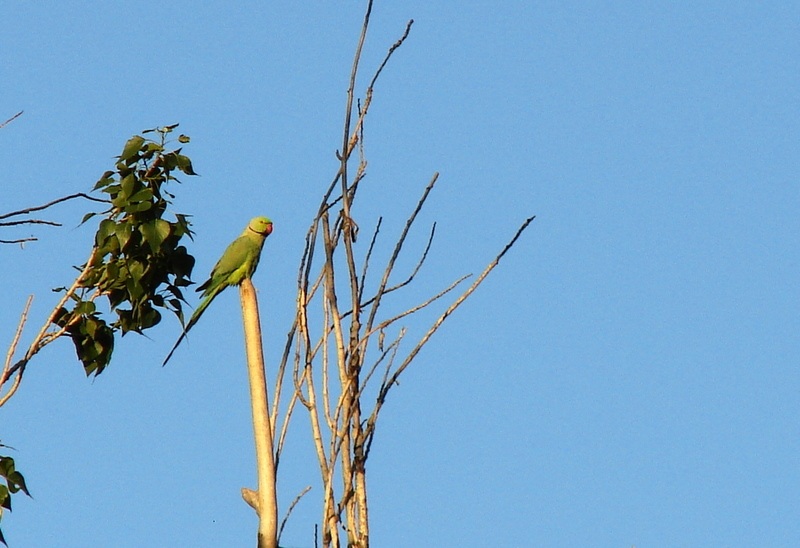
[17,115]
[50,204]
[30,222]
[19,241]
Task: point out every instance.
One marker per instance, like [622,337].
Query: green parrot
[237,263]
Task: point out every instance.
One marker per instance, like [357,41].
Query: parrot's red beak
[268,230]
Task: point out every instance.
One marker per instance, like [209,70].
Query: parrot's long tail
[171,352]
[193,320]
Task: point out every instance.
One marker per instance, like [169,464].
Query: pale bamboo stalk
[266,502]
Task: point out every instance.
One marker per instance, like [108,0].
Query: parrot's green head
[261,225]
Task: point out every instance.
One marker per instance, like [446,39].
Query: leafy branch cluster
[11,481]
[138,262]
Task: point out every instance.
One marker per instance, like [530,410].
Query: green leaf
[185,165]
[155,232]
[106,228]
[135,290]
[84,307]
[87,217]
[138,207]
[13,478]
[182,262]
[94,343]
[136,269]
[149,318]
[183,226]
[112,190]
[110,246]
[105,180]
[142,195]
[132,148]
[163,228]
[123,231]
[129,185]
[16,483]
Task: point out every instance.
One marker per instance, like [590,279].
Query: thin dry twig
[367,258]
[28,210]
[20,240]
[289,511]
[30,222]
[43,338]
[17,115]
[390,52]
[392,379]
[391,352]
[386,323]
[410,277]
[10,355]
[396,253]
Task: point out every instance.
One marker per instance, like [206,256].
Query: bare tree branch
[17,115]
[334,365]
[390,52]
[30,222]
[396,253]
[20,240]
[10,355]
[43,338]
[392,379]
[289,511]
[50,204]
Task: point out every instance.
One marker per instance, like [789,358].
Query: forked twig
[10,355]
[392,379]
[43,338]
[396,253]
[28,210]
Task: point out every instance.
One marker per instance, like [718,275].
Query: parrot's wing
[234,257]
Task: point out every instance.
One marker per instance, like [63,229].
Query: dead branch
[28,210]
[43,338]
[20,240]
[390,52]
[396,253]
[17,115]
[386,386]
[289,511]
[30,222]
[10,355]
[386,323]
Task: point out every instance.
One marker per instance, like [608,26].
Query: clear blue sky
[628,376]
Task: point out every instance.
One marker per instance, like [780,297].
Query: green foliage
[138,263]
[11,481]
